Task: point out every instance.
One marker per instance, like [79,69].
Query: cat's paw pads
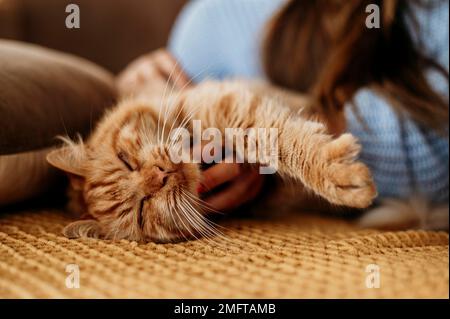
[347,182]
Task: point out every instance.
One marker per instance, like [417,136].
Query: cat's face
[130,187]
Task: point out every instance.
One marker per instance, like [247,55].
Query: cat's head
[130,187]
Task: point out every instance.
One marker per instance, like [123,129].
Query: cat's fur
[125,183]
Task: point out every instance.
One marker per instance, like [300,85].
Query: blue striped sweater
[222,38]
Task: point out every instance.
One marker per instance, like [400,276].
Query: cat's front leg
[305,151]
[328,166]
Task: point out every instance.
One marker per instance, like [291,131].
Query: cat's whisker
[169,140]
[209,221]
[145,135]
[172,209]
[181,90]
[187,118]
[201,202]
[214,228]
[221,235]
[209,233]
[199,225]
[185,215]
[63,123]
[204,205]
[174,121]
[165,118]
[171,110]
[207,227]
[162,101]
[184,121]
[206,236]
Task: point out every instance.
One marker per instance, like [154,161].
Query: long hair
[323,48]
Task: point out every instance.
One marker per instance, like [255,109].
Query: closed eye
[124,160]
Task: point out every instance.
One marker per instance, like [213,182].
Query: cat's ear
[83,228]
[70,159]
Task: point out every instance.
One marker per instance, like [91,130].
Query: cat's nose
[155,178]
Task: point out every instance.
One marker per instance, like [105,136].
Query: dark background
[111,34]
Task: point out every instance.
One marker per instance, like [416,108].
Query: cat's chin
[144,239]
[172,240]
[167,237]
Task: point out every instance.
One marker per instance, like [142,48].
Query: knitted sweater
[222,38]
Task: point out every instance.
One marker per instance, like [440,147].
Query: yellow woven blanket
[293,256]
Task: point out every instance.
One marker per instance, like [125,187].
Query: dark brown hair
[324,48]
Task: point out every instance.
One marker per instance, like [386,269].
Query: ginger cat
[127,186]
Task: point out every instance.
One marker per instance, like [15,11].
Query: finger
[139,72]
[181,78]
[244,189]
[144,67]
[255,187]
[168,66]
[219,174]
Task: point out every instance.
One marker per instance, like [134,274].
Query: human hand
[154,70]
[245,183]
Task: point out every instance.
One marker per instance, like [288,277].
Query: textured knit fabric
[222,38]
[294,256]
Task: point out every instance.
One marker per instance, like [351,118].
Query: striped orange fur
[125,184]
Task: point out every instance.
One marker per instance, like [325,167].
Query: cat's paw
[86,228]
[345,181]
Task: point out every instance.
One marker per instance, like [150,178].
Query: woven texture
[293,256]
